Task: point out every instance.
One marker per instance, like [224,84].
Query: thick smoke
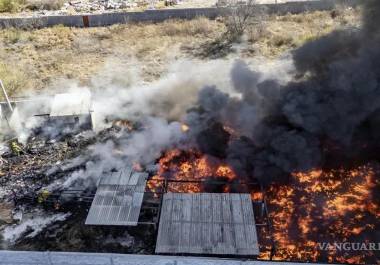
[155,108]
[125,149]
[333,100]
[262,122]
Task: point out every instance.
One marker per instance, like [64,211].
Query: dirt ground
[37,59]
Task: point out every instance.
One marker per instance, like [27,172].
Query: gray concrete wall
[96,20]
[64,258]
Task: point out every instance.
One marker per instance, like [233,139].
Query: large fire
[313,208]
[325,207]
[190,165]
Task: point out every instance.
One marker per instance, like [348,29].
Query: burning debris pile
[311,142]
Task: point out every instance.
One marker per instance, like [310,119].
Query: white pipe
[6,96]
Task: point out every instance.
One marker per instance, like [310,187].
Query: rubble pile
[41,160]
[102,6]
[25,173]
[99,5]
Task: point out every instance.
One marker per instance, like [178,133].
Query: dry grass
[36,59]
[281,33]
[11,6]
[14,80]
[196,27]
[45,55]
[44,4]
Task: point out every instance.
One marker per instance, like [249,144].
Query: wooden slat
[226,208]
[206,220]
[195,236]
[207,224]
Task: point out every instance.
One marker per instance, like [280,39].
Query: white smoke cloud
[121,93]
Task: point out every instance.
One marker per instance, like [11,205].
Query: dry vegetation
[12,6]
[36,59]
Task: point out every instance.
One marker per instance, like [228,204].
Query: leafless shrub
[243,15]
[256,32]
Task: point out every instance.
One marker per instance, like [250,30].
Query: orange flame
[190,165]
[184,127]
[315,207]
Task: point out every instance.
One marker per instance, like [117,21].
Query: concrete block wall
[97,20]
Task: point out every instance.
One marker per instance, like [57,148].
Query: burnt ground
[42,162]
[73,235]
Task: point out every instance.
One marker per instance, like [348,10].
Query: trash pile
[75,7]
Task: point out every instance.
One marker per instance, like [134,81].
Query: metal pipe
[6,96]
[202,181]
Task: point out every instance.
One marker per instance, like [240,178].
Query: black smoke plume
[329,113]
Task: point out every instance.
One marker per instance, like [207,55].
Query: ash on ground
[32,218]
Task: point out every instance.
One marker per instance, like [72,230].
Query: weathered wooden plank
[251,237]
[193,224]
[196,236]
[226,208]
[162,244]
[228,245]
[187,202]
[237,214]
[206,206]
[247,209]
[177,209]
[240,239]
[217,238]
[174,236]
[217,209]
[207,221]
